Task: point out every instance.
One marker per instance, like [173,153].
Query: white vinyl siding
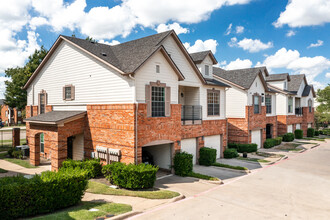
[279,84]
[147,74]
[203,101]
[206,62]
[78,147]
[95,83]
[304,100]
[256,87]
[273,103]
[236,100]
[281,104]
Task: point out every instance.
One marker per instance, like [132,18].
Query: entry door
[269,131]
[70,147]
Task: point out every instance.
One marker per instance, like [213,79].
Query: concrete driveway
[296,188]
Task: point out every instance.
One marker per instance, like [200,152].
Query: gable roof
[198,57]
[278,77]
[295,82]
[276,89]
[242,78]
[56,117]
[215,82]
[307,90]
[126,57]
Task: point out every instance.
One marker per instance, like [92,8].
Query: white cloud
[237,64]
[200,45]
[175,26]
[250,45]
[327,75]
[3,86]
[291,60]
[299,13]
[228,31]
[318,44]
[239,29]
[37,22]
[290,33]
[113,42]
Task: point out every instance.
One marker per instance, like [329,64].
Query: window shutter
[167,101]
[253,100]
[72,92]
[39,103]
[148,100]
[259,104]
[63,92]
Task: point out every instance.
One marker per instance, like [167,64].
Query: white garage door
[214,142]
[161,155]
[256,137]
[290,128]
[309,125]
[298,126]
[189,145]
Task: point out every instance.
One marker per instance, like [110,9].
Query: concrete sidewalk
[14,169]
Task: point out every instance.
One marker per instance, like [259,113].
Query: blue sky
[285,36]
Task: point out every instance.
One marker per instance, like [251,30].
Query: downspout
[136,120]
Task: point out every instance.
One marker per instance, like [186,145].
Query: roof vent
[104,54]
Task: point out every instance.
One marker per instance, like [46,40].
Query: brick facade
[308,118]
[284,120]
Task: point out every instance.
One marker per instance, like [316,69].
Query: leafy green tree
[322,114]
[15,96]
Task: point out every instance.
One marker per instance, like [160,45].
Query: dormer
[279,80]
[204,61]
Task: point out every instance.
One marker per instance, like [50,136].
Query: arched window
[42,143]
[310,103]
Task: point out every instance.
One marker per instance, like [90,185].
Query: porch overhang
[56,118]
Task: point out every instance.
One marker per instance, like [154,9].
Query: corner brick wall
[4,108]
[284,120]
[308,117]
[272,120]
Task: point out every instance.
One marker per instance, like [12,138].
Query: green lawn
[229,166]
[100,188]
[254,160]
[202,176]
[82,211]
[3,155]
[288,146]
[3,171]
[314,139]
[23,163]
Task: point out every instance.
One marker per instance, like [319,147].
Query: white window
[256,104]
[268,104]
[68,92]
[158,101]
[42,143]
[157,68]
[207,70]
[213,102]
[290,105]
[284,84]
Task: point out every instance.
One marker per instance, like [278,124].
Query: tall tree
[323,110]
[15,96]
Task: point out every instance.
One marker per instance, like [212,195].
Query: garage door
[256,137]
[214,142]
[290,128]
[189,145]
[161,155]
[298,126]
[309,125]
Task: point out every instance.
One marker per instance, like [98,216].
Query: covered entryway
[269,131]
[190,146]
[290,129]
[158,155]
[256,137]
[214,141]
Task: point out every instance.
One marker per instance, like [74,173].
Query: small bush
[278,140]
[241,148]
[232,145]
[298,134]
[310,132]
[93,167]
[13,153]
[316,133]
[50,191]
[207,156]
[269,143]
[230,153]
[183,163]
[130,176]
[288,137]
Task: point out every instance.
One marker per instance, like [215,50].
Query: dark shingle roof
[295,82]
[306,91]
[198,57]
[125,56]
[241,77]
[215,82]
[54,117]
[278,77]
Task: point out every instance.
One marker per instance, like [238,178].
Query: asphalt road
[296,188]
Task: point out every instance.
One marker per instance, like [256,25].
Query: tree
[323,110]
[15,96]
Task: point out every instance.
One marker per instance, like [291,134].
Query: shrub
[288,137]
[278,140]
[50,191]
[298,134]
[230,153]
[131,176]
[207,156]
[310,132]
[232,145]
[183,163]
[93,167]
[316,133]
[12,152]
[269,143]
[241,148]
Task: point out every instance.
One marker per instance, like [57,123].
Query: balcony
[298,111]
[191,114]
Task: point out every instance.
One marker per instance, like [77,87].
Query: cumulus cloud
[174,26]
[239,29]
[111,43]
[318,44]
[250,45]
[299,13]
[200,45]
[237,64]
[290,33]
[327,75]
[228,31]
[291,60]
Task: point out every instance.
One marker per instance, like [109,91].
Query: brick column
[16,137]
[59,153]
[200,144]
[34,145]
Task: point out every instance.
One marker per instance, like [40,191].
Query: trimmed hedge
[230,153]
[207,156]
[278,140]
[183,163]
[131,176]
[288,137]
[269,143]
[50,191]
[93,166]
[325,131]
[310,132]
[241,148]
[316,133]
[298,134]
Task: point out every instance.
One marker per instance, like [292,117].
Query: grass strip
[254,160]
[23,163]
[202,176]
[229,166]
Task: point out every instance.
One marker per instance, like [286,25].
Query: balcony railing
[298,111]
[191,113]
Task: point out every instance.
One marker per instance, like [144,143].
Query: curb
[179,197]
[217,182]
[125,215]
[282,158]
[228,169]
[315,146]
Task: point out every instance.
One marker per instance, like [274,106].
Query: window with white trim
[207,70]
[213,102]
[256,104]
[290,104]
[42,143]
[158,101]
[68,92]
[268,102]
